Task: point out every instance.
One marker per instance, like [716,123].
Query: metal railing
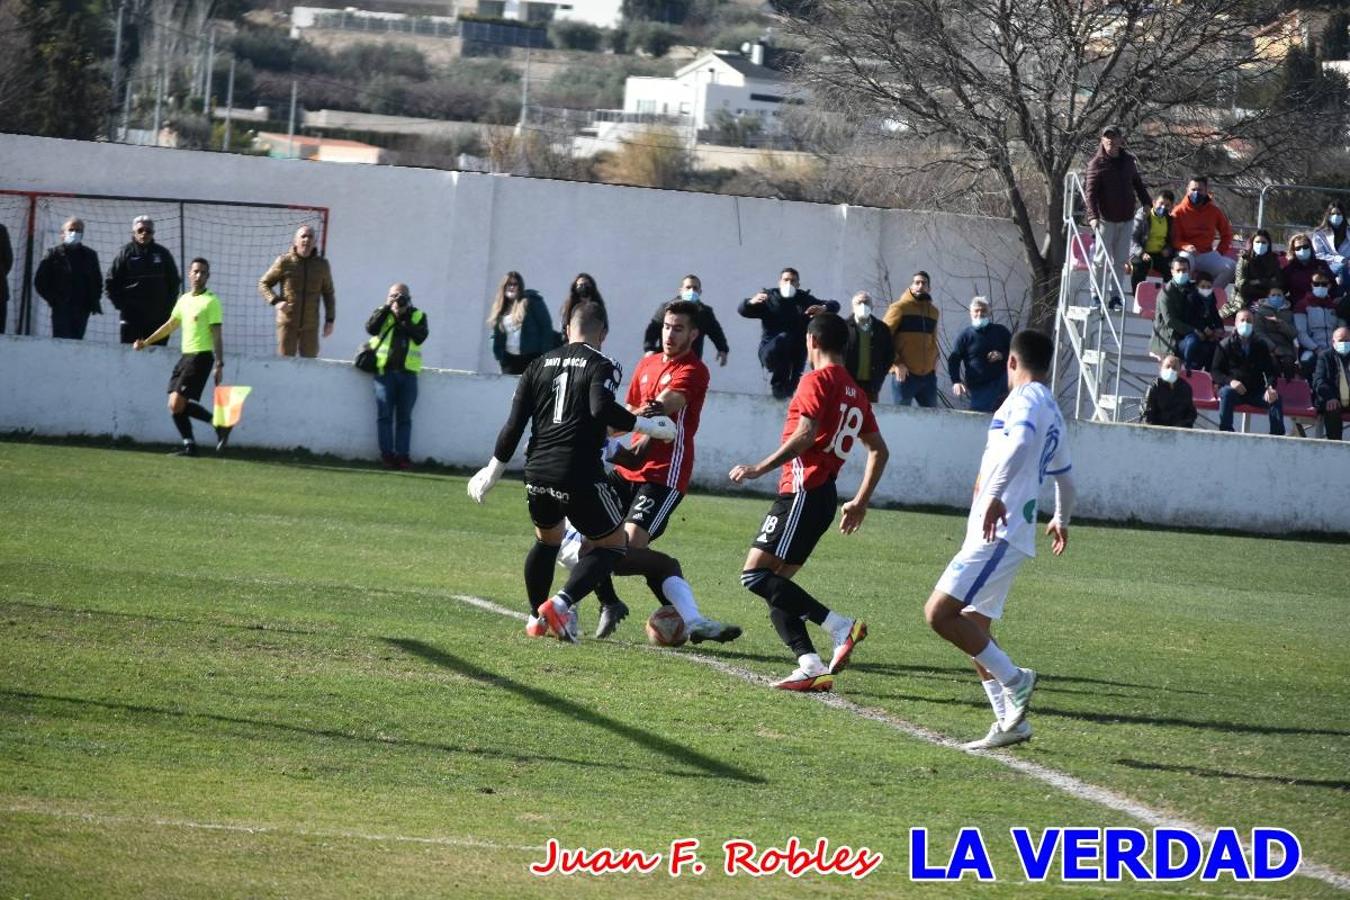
[1098,348]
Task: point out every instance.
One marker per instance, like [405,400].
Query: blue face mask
[1261,248]
[1182,277]
[1321,292]
[1160,211]
[1197,197]
[1275,301]
[73,237]
[1244,329]
[1343,348]
[980,324]
[1304,253]
[690,295]
[1336,220]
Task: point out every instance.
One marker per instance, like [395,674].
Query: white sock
[995,692]
[838,626]
[810,664]
[681,596]
[997,663]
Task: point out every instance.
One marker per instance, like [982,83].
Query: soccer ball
[666,628]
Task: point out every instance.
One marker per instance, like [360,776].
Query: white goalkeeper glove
[659,428]
[485,478]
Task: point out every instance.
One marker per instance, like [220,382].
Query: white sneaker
[997,737]
[1016,699]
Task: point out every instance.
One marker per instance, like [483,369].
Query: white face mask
[1206,292]
[1168,375]
[73,237]
[862,312]
[787,289]
[511,293]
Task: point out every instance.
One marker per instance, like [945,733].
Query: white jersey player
[1026,445]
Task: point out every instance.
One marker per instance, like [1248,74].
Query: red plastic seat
[1202,389]
[1297,398]
[1080,251]
[1146,298]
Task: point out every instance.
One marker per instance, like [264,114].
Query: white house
[601,13]
[735,83]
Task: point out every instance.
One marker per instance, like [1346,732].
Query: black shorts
[592,508]
[190,374]
[649,506]
[796,522]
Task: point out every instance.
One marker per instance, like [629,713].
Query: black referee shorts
[797,522]
[593,508]
[190,374]
[649,505]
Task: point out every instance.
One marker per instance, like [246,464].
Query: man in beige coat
[305,277]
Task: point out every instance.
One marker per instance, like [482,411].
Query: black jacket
[1169,404]
[1255,368]
[707,324]
[1326,383]
[404,330]
[70,276]
[778,315]
[143,284]
[6,263]
[883,353]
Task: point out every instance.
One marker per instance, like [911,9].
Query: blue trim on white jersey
[990,565]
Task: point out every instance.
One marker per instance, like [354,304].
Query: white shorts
[980,577]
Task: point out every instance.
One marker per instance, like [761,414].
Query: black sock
[197,411]
[781,593]
[539,564]
[589,571]
[605,593]
[184,425]
[654,584]
[792,630]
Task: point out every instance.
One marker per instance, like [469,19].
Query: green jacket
[1169,320]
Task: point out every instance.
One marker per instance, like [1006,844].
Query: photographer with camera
[398,329]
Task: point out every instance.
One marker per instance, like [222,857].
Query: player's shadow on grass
[1216,773]
[331,733]
[953,673]
[1112,718]
[557,703]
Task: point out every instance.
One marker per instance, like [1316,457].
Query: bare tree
[1006,96]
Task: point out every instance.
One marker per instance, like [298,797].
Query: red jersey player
[827,415]
[674,381]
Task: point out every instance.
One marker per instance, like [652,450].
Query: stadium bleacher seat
[1202,389]
[1080,254]
[1297,397]
[1146,298]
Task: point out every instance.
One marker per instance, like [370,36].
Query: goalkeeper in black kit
[567,398]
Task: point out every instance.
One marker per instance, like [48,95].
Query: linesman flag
[229,402]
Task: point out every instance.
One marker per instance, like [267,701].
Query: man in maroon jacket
[1112,184]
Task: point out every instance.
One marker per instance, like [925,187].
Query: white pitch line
[1060,781]
[119,821]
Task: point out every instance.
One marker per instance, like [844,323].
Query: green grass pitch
[250,677]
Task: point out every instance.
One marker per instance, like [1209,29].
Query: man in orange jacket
[1196,222]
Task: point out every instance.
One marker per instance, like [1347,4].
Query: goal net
[240,240]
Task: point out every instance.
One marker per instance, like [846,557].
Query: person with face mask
[70,280]
[870,350]
[913,321]
[1171,318]
[142,283]
[1275,325]
[1331,241]
[520,325]
[1151,241]
[982,348]
[1197,348]
[1300,268]
[1168,400]
[783,314]
[691,291]
[1315,318]
[1258,270]
[1244,374]
[1331,383]
[1196,222]
[583,289]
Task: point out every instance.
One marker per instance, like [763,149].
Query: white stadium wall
[1149,475]
[452,235]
